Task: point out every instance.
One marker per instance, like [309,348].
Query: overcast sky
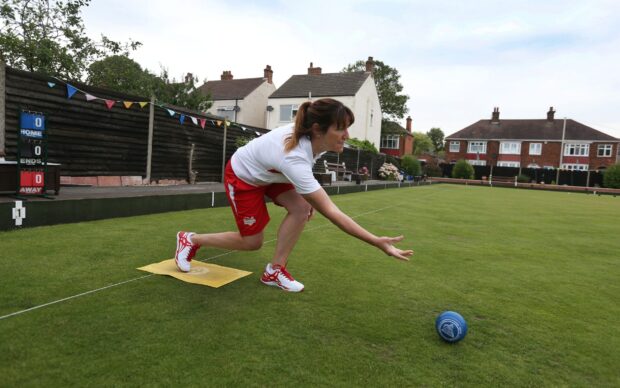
[457,59]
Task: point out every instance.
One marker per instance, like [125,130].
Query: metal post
[2,109]
[224,148]
[358,161]
[588,180]
[557,177]
[149,150]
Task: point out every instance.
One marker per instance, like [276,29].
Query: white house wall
[252,107]
[254,110]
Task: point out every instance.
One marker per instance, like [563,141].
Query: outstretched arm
[324,205]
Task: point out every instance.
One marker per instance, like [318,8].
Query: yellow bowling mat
[211,275]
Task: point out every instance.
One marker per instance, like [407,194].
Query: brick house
[241,100]
[532,144]
[396,140]
[356,90]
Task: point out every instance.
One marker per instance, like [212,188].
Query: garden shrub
[411,165]
[611,177]
[463,170]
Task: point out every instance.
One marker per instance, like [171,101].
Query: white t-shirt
[263,161]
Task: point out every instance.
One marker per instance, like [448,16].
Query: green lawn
[535,274]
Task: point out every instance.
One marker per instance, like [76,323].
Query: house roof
[231,89]
[530,130]
[322,85]
[390,128]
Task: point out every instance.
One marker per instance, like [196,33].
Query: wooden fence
[88,139]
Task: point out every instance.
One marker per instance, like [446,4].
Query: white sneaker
[185,252]
[280,277]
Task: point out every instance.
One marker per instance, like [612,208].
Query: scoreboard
[31,153]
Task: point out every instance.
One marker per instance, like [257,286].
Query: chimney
[314,70]
[226,75]
[188,78]
[495,116]
[370,65]
[409,124]
[268,74]
[550,114]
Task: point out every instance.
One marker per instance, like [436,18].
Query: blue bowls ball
[451,326]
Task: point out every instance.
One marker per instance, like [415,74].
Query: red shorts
[248,201]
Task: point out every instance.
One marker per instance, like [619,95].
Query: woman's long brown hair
[324,112]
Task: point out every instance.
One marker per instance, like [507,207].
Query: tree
[411,165]
[183,94]
[421,143]
[122,74]
[48,37]
[436,135]
[611,177]
[463,170]
[387,80]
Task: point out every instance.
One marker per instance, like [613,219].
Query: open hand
[386,245]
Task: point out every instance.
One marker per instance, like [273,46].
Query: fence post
[149,149]
[588,180]
[2,109]
[224,148]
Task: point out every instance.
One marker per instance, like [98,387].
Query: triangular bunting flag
[182,118]
[90,97]
[143,104]
[51,84]
[219,123]
[110,103]
[258,133]
[127,104]
[171,112]
[227,123]
[194,120]
[202,123]
[244,128]
[70,91]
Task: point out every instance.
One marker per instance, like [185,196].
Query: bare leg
[292,225]
[229,240]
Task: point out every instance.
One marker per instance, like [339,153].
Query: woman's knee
[300,211]
[252,243]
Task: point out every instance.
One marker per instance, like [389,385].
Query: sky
[457,59]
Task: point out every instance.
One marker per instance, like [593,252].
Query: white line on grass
[149,275]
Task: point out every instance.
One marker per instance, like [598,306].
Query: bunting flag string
[109,103]
[70,91]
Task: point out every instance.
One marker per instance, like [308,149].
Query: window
[549,168]
[390,141]
[533,165]
[508,164]
[477,162]
[455,146]
[477,147]
[535,148]
[226,111]
[288,112]
[510,147]
[576,149]
[604,150]
[575,167]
